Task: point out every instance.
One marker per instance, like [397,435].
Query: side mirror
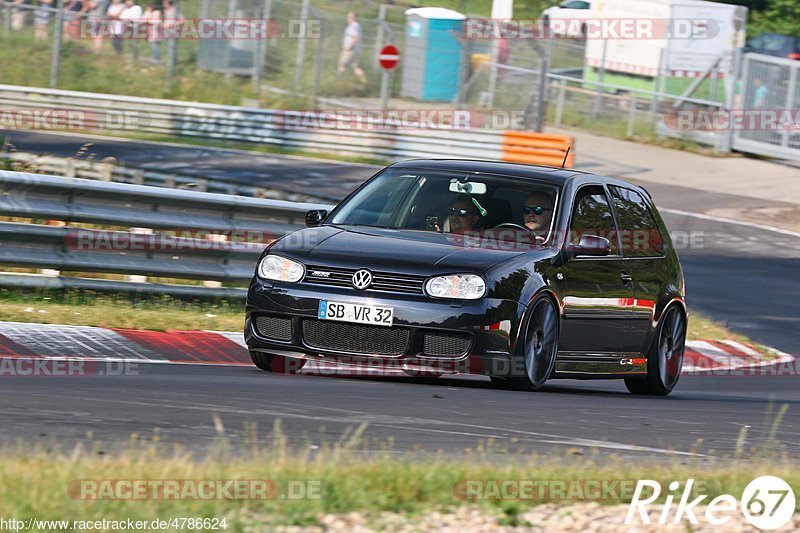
[315,217]
[590,245]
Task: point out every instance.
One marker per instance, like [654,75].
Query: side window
[640,234]
[591,215]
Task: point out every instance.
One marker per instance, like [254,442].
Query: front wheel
[537,348]
[276,363]
[665,358]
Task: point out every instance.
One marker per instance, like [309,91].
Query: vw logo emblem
[362,279]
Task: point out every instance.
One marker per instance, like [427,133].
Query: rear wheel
[665,359]
[276,363]
[536,352]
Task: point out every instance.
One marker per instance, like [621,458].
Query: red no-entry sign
[389,57]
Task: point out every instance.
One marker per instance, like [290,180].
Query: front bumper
[489,325]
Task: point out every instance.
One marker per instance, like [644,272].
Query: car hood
[394,250]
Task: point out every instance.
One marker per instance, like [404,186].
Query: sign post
[388,58]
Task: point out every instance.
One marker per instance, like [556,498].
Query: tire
[665,357]
[277,364]
[536,353]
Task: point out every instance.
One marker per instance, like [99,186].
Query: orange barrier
[538,148]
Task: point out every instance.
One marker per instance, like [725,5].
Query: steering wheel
[511,225]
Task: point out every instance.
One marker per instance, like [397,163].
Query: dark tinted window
[591,215]
[638,228]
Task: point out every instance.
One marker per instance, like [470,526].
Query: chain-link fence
[301,55]
[771,85]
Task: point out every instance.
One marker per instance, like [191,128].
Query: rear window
[637,225]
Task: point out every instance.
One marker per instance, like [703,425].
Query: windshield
[449,202]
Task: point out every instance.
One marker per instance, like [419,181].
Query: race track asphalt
[746,276]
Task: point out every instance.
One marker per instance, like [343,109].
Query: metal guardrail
[242,124]
[108,170]
[173,233]
[379,138]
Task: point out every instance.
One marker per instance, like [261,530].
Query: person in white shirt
[152,16]
[131,16]
[113,14]
[351,48]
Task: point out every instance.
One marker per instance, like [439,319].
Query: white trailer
[687,38]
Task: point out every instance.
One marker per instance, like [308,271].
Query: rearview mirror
[591,245]
[467,187]
[315,217]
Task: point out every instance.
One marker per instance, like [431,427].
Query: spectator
[72,15]
[351,48]
[131,16]
[761,94]
[113,15]
[17,15]
[96,10]
[170,16]
[152,17]
[41,20]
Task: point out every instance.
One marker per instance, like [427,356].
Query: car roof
[519,170]
[551,175]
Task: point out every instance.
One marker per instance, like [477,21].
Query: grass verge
[335,479]
[160,314]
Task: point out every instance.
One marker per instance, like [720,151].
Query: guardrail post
[220,238]
[560,102]
[631,115]
[51,272]
[662,61]
[6,18]
[69,168]
[55,65]
[379,35]
[301,46]
[138,176]
[601,76]
[136,278]
[229,43]
[318,64]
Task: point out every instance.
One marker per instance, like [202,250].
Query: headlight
[279,268]
[461,286]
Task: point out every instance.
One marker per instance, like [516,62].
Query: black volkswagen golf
[518,272]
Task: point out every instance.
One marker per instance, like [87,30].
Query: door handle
[626,278]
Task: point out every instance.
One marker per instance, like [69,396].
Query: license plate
[360,314]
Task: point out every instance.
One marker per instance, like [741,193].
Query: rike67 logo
[767,503]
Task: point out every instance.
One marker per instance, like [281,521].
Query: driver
[538,212]
[463,215]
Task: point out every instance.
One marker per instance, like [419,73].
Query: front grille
[381,281]
[355,338]
[445,344]
[273,327]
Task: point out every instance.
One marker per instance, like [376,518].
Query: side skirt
[596,366]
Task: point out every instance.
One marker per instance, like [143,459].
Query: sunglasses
[535,209]
[461,212]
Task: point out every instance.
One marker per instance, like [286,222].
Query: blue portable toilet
[432,54]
